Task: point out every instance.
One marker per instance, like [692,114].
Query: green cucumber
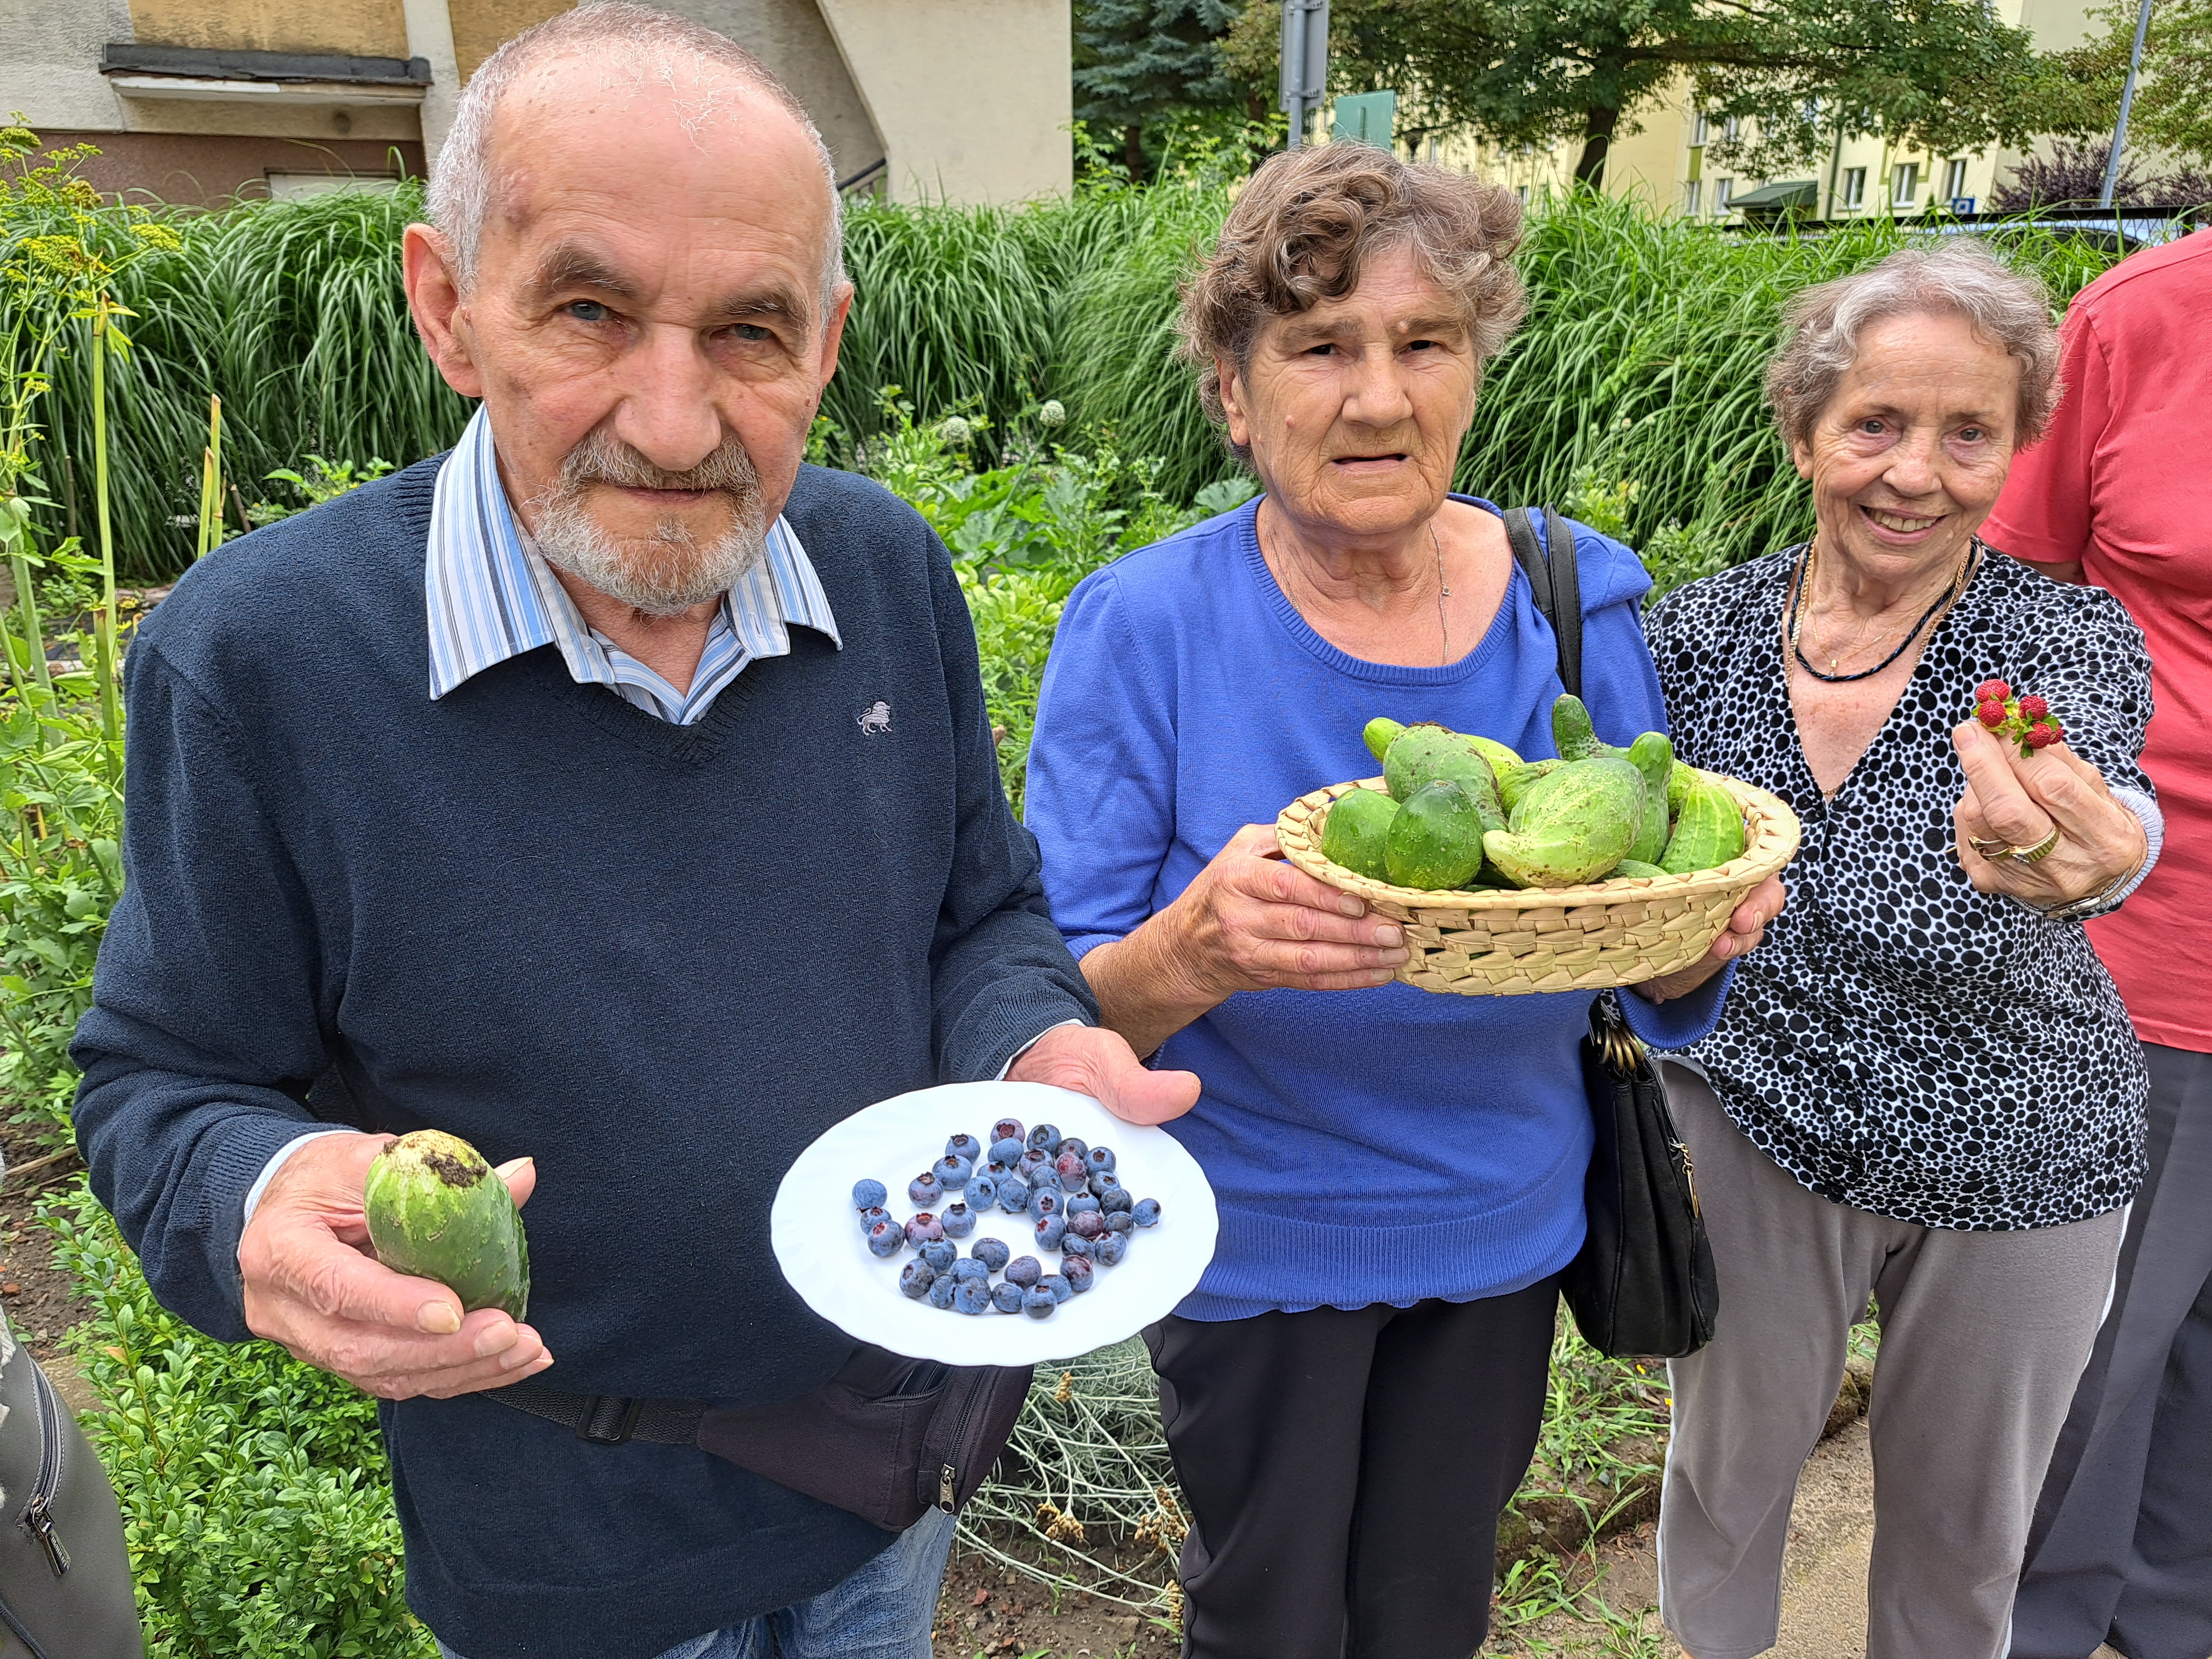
[1435,841]
[1574,827]
[1678,788]
[1380,734]
[1630,868]
[1708,833]
[437,1210]
[1423,754]
[1572,734]
[1653,756]
[1353,833]
[1515,782]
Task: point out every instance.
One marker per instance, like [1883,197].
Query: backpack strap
[1555,583]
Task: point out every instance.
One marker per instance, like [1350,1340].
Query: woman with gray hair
[1924,1089]
[1354,1390]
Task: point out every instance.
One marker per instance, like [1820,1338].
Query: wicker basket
[1497,943]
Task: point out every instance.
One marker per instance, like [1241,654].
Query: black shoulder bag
[1644,1284]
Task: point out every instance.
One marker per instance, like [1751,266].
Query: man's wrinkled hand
[1097,1062]
[313,1284]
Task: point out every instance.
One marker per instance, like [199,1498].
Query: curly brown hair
[1302,227]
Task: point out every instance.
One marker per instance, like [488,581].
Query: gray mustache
[602,458]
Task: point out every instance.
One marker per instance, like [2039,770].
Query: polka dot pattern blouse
[1902,1043]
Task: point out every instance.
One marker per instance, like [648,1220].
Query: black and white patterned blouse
[1900,1042]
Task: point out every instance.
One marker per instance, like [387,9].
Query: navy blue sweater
[659,959]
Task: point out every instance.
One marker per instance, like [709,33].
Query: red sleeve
[2045,511]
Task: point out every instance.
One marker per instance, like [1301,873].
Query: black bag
[887,1438]
[1645,1283]
[64,1579]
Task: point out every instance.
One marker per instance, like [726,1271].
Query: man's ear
[434,296]
[833,339]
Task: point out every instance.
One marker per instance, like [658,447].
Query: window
[1731,127]
[1690,192]
[1854,195]
[1522,191]
[1904,184]
[1702,130]
[1954,181]
[1722,188]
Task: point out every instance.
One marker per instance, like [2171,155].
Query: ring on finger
[2040,850]
[1990,848]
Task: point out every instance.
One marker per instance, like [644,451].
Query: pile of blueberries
[1069,1189]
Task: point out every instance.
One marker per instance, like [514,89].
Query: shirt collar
[490,596]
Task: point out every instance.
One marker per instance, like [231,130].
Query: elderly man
[613,792]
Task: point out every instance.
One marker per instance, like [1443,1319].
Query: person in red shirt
[2119,494]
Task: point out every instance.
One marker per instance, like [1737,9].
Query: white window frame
[1853,196]
[1692,190]
[1955,179]
[1722,190]
[1701,131]
[1904,184]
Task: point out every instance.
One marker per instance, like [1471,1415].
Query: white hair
[1960,275]
[462,182]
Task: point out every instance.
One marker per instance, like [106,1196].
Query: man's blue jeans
[885,1611]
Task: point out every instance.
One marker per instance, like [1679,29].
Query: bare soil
[40,1301]
[989,1609]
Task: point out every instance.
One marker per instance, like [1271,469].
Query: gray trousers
[2121,1550]
[1984,1335]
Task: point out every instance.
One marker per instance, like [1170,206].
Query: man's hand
[1746,927]
[313,1284]
[1097,1062]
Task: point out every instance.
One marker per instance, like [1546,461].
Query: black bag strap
[1556,583]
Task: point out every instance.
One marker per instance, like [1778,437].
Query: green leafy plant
[323,481]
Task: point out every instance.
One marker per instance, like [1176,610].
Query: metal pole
[2127,97]
[1305,63]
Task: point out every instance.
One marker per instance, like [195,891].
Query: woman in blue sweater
[1354,1390]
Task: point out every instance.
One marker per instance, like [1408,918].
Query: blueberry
[1024,1271]
[915,1278]
[1006,1298]
[1114,1198]
[1013,1196]
[923,1228]
[969,1268]
[967,1146]
[1090,1224]
[941,1293]
[885,1240]
[1058,1285]
[1076,1271]
[958,1221]
[1076,1205]
[1145,1212]
[1043,1201]
[1109,1249]
[1044,1138]
[1038,1303]
[1031,1164]
[1074,1144]
[1101,1160]
[1119,1222]
[1073,1177]
[991,1252]
[870,1217]
[1075,1244]
[952,1171]
[982,1192]
[1007,1129]
[1048,1230]
[970,1296]
[1099,1181]
[868,1194]
[938,1253]
[925,1189]
[1007,1151]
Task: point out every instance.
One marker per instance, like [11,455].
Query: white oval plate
[818,1244]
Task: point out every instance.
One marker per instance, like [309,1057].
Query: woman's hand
[2020,801]
[1249,922]
[1746,927]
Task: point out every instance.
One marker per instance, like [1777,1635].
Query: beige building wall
[362,28]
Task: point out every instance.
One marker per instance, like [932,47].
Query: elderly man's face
[1354,411]
[646,326]
[1910,453]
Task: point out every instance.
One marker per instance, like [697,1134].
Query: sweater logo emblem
[877,719]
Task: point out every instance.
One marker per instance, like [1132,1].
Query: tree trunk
[1133,152]
[1597,140]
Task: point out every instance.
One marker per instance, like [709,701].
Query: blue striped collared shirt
[492,595]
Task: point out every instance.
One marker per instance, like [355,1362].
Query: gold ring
[1988,848]
[2040,850]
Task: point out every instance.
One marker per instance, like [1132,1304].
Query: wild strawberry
[1993,691]
[2033,708]
[1991,715]
[2042,735]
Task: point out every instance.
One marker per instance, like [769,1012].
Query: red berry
[1993,691]
[1991,714]
[2043,734]
[2033,708]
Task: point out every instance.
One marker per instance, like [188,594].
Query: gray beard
[671,571]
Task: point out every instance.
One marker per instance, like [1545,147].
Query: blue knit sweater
[660,959]
[1381,1145]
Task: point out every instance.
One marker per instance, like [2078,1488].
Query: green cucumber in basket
[1653,756]
[1708,834]
[1576,827]
[1380,734]
[1435,843]
[1633,869]
[1354,832]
